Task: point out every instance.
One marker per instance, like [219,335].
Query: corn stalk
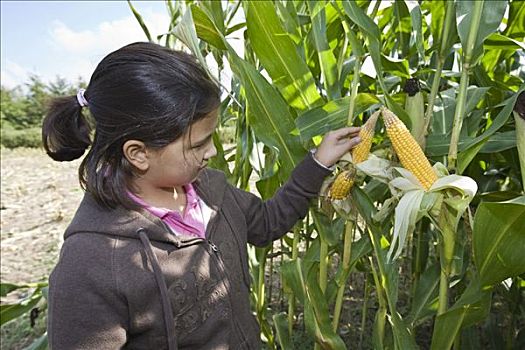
[347,253]
[466,66]
[440,59]
[291,297]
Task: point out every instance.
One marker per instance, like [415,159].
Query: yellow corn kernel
[408,150]
[342,185]
[362,150]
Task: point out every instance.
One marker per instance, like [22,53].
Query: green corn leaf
[516,22]
[360,249]
[437,24]
[215,11]
[139,19]
[438,142]
[207,29]
[292,276]
[466,156]
[371,31]
[219,161]
[500,142]
[498,239]
[403,336]
[9,312]
[272,121]
[424,302]
[520,142]
[402,27]
[301,278]
[502,42]
[288,16]
[473,306]
[332,115]
[329,231]
[357,47]
[280,322]
[417,29]
[324,52]
[324,334]
[389,271]
[6,288]
[491,16]
[185,32]
[397,67]
[278,55]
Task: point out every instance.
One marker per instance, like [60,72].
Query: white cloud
[71,41]
[13,74]
[75,53]
[107,36]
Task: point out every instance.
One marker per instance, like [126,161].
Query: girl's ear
[135,153]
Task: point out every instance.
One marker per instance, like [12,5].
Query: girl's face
[180,162]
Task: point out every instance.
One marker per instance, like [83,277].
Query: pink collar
[191,220]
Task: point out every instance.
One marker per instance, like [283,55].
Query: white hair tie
[81,99]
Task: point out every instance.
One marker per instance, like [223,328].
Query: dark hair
[142,91]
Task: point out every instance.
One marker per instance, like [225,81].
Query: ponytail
[65,130]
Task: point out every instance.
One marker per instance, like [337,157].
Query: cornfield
[427,248]
[452,72]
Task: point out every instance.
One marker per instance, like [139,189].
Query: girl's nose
[211,152]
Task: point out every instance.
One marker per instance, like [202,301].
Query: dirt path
[38,199]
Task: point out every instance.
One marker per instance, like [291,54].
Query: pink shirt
[193,220]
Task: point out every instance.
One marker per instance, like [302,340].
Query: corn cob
[362,150]
[342,185]
[407,149]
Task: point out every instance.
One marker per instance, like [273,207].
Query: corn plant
[417,218]
[429,212]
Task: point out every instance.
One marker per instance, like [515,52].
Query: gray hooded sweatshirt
[124,281]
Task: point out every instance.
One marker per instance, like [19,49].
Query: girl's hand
[335,144]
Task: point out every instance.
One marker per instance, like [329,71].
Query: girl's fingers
[347,132]
[354,141]
[348,143]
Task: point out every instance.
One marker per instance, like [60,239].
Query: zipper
[213,247]
[222,270]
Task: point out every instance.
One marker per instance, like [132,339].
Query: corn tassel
[342,185]
[362,150]
[407,149]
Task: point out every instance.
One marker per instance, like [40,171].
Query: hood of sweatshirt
[92,217]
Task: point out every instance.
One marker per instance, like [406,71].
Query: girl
[155,257]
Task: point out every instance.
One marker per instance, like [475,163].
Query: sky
[69,38]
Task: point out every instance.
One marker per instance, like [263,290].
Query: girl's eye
[201,144]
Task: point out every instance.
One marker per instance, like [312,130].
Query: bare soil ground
[38,199]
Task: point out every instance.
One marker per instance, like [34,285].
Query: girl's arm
[267,221]
[85,308]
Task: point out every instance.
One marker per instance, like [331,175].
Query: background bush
[13,138]
[23,109]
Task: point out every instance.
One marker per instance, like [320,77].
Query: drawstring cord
[161,283]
